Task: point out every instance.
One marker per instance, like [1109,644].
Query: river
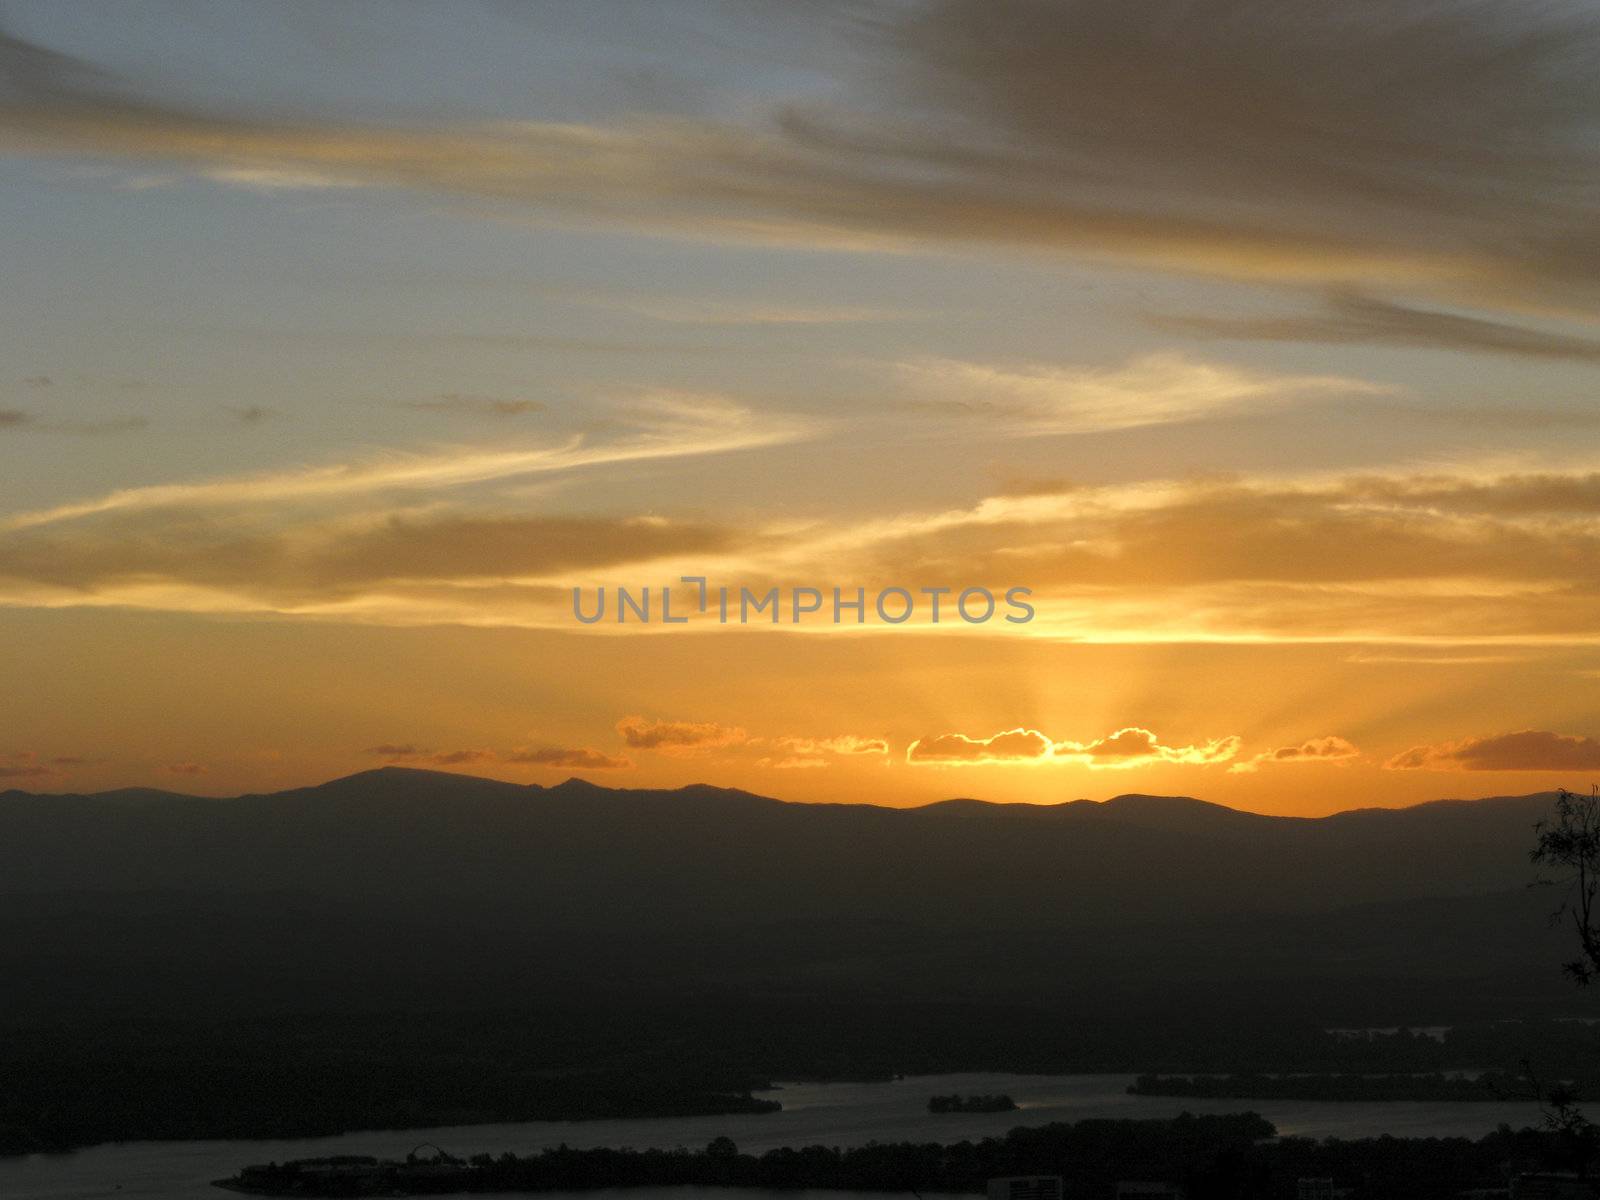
[832,1114]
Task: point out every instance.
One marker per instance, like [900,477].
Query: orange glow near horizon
[222,707]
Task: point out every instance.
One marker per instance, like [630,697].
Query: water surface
[829,1114]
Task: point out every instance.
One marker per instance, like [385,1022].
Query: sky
[341,344]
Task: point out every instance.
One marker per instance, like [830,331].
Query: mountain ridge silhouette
[398,885]
[480,840]
[1142,804]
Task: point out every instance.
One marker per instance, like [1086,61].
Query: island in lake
[971,1104]
[1204,1157]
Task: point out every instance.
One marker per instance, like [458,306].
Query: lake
[831,1114]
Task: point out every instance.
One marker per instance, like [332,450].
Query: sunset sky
[339,343]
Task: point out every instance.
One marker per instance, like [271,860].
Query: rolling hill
[404,886]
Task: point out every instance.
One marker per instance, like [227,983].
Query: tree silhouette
[1569,844]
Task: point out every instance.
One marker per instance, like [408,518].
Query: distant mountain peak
[1156,801]
[398,780]
[393,771]
[1182,814]
[573,784]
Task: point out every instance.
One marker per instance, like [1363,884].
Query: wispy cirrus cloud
[1481,554]
[1158,389]
[1394,560]
[672,425]
[1354,318]
[1238,136]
